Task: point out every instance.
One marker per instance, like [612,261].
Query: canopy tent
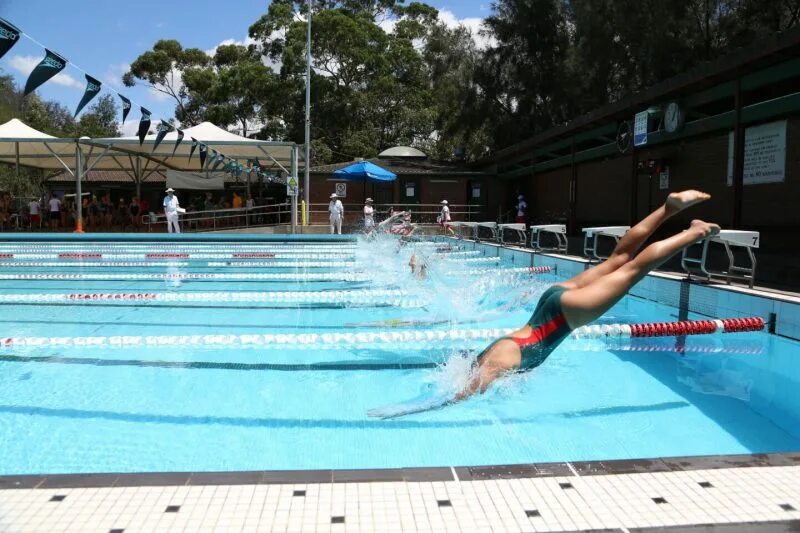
[365,171]
[22,145]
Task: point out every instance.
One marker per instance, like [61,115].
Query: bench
[518,228]
[590,239]
[560,232]
[749,240]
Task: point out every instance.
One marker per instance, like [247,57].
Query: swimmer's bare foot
[703,229]
[678,201]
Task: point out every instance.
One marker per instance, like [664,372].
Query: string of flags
[53,63]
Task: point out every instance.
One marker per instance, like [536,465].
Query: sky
[103,37]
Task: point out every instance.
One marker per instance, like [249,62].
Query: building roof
[408,167]
[402,151]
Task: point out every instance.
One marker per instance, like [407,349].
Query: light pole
[306,178]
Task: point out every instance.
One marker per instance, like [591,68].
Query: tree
[161,69]
[100,120]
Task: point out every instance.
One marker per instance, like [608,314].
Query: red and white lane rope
[503,271]
[394,297]
[670,329]
[233,276]
[473,259]
[152,264]
[279,340]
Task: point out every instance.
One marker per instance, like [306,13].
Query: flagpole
[307,165]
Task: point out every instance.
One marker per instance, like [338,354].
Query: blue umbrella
[365,171]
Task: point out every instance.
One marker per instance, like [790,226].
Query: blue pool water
[295,404]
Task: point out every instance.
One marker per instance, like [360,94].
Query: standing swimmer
[576,302]
[336,213]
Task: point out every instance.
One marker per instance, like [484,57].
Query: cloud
[130,128]
[113,75]
[247,41]
[473,24]
[25,64]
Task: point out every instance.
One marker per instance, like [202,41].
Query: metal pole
[738,156]
[78,193]
[137,173]
[573,193]
[307,153]
[16,145]
[294,196]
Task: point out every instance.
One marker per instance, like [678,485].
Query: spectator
[135,211]
[369,216]
[33,212]
[522,209]
[55,212]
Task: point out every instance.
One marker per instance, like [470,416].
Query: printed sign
[341,190]
[409,190]
[764,154]
[640,129]
[476,192]
[291,186]
[663,180]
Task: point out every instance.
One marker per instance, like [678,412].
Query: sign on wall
[409,190]
[640,129]
[764,154]
[663,179]
[341,190]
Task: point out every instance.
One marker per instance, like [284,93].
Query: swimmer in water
[574,303]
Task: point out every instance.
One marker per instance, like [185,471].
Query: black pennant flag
[9,36]
[178,142]
[163,129]
[126,108]
[213,158]
[92,88]
[203,153]
[220,159]
[51,65]
[144,125]
[194,147]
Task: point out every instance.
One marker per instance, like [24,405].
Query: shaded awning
[365,171]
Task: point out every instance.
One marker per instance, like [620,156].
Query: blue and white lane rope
[153,264]
[394,297]
[266,340]
[68,257]
[233,276]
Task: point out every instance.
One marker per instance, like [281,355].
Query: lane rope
[670,329]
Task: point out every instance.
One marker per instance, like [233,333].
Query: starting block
[491,226]
[560,232]
[749,240]
[590,239]
[518,228]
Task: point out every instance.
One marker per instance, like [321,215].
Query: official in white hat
[336,214]
[369,218]
[444,219]
[171,209]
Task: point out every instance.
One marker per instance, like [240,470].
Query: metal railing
[420,213]
[243,217]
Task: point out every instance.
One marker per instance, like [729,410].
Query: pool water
[336,348]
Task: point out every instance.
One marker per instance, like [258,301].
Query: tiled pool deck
[759,493]
[724,493]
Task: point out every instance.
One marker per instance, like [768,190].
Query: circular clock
[624,136]
[673,117]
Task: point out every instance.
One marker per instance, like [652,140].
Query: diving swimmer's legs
[586,304]
[630,243]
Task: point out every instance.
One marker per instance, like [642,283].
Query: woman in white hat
[444,218]
[171,209]
[369,219]
[336,212]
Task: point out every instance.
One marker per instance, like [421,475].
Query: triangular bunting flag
[163,129]
[9,36]
[92,88]
[203,152]
[48,67]
[144,125]
[178,142]
[126,107]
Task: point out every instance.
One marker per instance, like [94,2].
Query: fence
[420,213]
[244,217]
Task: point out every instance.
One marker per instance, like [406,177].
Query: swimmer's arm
[392,218]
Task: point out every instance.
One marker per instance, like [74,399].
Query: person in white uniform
[444,218]
[369,216]
[171,209]
[336,212]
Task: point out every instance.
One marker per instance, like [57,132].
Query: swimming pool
[234,354]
